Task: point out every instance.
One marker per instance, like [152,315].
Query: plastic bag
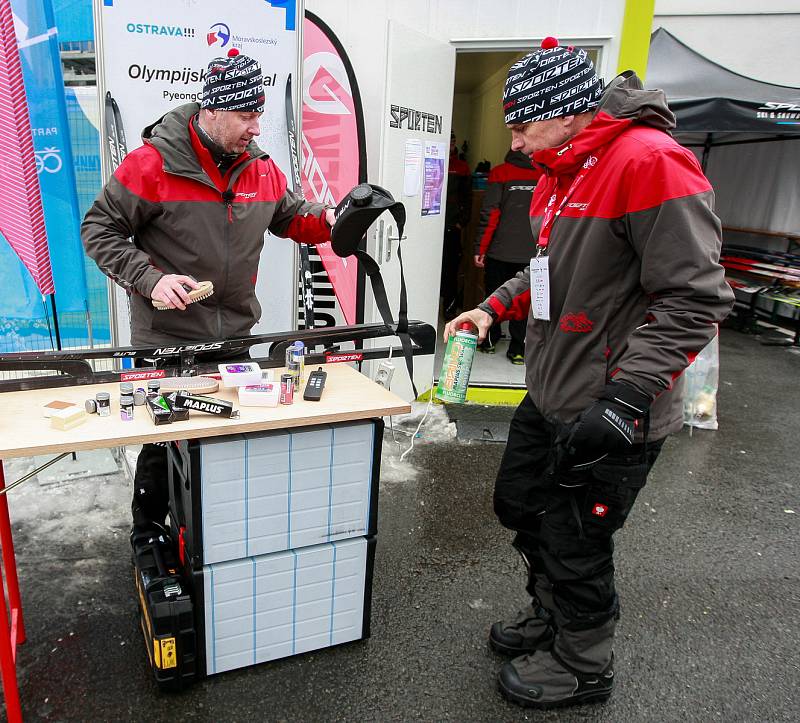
[700,391]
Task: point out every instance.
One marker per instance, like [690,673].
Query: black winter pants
[150,489]
[496,273]
[565,521]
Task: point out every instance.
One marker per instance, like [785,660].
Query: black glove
[606,427]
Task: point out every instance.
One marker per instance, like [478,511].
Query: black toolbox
[167,614]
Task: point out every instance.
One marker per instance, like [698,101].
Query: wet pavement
[707,572]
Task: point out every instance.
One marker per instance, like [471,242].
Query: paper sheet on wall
[435,155]
[413,165]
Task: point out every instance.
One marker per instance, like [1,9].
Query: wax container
[267,394]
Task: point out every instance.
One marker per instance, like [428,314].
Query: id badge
[540,288]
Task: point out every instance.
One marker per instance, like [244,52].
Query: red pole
[7,644]
[9,559]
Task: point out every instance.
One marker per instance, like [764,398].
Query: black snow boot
[532,629]
[578,669]
[543,681]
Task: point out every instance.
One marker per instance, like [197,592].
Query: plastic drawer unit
[273,606]
[248,495]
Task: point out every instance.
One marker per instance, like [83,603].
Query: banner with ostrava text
[154,59]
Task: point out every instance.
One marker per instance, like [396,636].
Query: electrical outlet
[384,374]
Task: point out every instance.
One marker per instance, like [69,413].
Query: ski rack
[73,367]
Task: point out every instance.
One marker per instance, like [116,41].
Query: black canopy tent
[715,106]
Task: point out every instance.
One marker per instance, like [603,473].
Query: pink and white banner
[333,146]
[21,212]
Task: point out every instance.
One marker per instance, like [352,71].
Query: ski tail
[297,184]
[115,132]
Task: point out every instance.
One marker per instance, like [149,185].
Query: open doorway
[482,142]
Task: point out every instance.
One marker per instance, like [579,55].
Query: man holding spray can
[624,290]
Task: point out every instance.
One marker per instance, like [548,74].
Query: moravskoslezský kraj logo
[218,34]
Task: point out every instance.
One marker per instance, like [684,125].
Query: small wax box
[267,394]
[56,404]
[240,374]
[68,417]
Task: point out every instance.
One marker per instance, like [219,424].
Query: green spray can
[457,364]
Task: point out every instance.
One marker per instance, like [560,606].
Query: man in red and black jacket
[196,200]
[624,290]
[504,243]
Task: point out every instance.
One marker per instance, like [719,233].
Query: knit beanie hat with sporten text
[551,82]
[234,83]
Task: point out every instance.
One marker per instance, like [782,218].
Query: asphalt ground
[707,573]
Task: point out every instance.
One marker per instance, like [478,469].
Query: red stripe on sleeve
[518,311]
[488,233]
[309,230]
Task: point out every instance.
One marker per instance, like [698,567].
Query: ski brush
[203,291]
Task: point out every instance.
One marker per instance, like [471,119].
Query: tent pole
[706,151]
[55,320]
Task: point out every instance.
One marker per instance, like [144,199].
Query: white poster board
[152,57]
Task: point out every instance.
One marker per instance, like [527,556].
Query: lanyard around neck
[553,210]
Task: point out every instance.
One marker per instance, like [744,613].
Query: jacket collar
[171,135]
[624,102]
[569,157]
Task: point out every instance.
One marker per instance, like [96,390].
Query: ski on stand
[115,132]
[297,187]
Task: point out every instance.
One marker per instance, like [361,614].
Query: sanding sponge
[67,418]
[203,291]
[56,404]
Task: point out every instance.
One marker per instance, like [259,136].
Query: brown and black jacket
[636,288]
[185,218]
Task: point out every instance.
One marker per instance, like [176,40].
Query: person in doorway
[456,217]
[625,289]
[504,243]
[196,200]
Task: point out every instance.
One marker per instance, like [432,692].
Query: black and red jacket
[185,218]
[504,232]
[636,287]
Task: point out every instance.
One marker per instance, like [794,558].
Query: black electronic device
[315,385]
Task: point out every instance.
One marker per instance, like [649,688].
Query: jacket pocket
[608,499]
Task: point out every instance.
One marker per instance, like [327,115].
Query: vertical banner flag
[21,214]
[44,84]
[333,153]
[155,56]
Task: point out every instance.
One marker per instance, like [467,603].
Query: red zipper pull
[227,198]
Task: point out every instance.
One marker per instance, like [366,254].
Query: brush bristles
[203,291]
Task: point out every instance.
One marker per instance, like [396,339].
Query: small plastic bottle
[126,407]
[457,364]
[103,402]
[295,362]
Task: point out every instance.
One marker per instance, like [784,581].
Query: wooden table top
[25,432]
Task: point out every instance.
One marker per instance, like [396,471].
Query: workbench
[24,432]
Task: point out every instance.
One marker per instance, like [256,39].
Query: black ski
[115,132]
[73,366]
[297,187]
